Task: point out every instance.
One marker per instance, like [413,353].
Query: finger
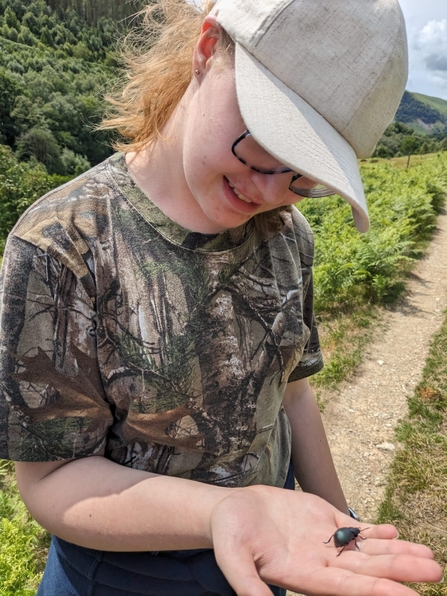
[384,531]
[242,575]
[336,582]
[395,547]
[399,567]
[387,531]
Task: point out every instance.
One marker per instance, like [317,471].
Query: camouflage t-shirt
[169,351]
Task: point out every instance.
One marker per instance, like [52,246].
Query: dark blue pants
[77,571]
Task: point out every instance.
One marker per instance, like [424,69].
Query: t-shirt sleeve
[312,359]
[52,404]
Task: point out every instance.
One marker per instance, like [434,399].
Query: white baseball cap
[318,82]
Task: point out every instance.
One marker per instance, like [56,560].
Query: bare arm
[99,504]
[312,460]
[259,534]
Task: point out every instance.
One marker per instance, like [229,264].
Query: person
[157,326]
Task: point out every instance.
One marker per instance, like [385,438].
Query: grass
[356,275]
[23,543]
[417,482]
[343,340]
[401,162]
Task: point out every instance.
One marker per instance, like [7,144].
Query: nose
[272,187]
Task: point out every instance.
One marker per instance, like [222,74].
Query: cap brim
[295,134]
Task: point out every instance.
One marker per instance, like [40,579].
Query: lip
[236,202]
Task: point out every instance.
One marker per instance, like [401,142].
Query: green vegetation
[53,66]
[23,543]
[92,11]
[399,139]
[435,102]
[420,127]
[417,482]
[21,183]
[355,273]
[415,107]
[403,205]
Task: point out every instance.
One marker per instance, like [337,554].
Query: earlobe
[206,44]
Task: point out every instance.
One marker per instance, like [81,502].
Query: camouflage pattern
[169,351]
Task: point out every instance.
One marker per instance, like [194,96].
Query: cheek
[290,198]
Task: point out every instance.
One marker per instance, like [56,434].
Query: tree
[408,146]
[41,144]
[20,185]
[73,163]
[10,89]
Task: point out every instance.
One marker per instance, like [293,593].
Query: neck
[158,171]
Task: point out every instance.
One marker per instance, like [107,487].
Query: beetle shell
[343,536]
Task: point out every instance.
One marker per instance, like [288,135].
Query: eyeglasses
[248,151]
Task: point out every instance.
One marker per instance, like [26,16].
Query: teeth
[238,194]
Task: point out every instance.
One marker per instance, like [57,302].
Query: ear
[206,44]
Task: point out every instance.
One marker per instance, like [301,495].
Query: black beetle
[343,536]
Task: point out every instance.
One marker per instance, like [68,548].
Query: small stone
[381,362]
[386,447]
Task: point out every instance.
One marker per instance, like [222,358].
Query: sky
[426,22]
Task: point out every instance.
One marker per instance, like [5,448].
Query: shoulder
[67,220]
[87,192]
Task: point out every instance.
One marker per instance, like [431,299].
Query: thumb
[241,573]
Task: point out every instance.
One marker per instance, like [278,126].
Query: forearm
[96,503]
[311,456]
[258,533]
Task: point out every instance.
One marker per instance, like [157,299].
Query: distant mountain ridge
[424,114]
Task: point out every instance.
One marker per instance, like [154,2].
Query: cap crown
[346,58]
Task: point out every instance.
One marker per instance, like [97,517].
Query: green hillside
[58,56]
[420,126]
[423,113]
[434,102]
[56,60]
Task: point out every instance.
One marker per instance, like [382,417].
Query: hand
[268,535]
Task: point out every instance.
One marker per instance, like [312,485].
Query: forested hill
[422,112]
[91,11]
[420,126]
[56,58]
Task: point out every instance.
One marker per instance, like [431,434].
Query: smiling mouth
[239,195]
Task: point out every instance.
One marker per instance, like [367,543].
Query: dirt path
[361,416]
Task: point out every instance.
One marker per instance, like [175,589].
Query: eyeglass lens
[250,153]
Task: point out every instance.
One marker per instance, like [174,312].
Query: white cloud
[434,36]
[428,57]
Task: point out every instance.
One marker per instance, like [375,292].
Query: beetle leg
[327,541]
